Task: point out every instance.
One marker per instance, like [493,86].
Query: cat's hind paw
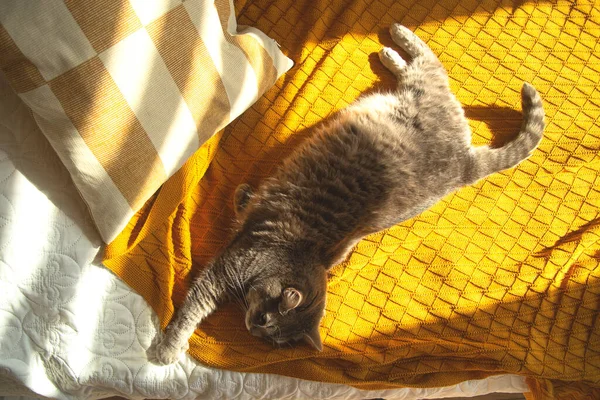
[407,39]
[392,61]
[166,354]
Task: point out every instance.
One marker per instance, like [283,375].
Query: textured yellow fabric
[500,277]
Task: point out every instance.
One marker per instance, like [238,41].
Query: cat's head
[287,313]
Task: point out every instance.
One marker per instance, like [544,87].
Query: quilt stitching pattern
[73,330]
[503,274]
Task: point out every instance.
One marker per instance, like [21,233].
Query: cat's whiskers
[242,294]
[237,289]
[240,300]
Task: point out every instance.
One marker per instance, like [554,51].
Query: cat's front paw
[167,354]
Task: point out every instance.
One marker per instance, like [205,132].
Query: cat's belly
[373,106]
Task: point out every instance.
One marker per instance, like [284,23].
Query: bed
[72,329]
[78,318]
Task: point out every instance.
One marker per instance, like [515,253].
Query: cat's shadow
[503,122]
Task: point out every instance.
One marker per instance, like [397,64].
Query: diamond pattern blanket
[500,277]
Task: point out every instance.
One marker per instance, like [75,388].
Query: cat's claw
[167,354]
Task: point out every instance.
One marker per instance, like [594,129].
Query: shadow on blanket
[464,290]
[26,146]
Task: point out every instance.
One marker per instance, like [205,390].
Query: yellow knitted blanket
[500,277]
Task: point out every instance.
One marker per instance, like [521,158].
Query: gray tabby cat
[384,159]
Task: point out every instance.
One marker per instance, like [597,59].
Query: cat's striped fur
[381,161]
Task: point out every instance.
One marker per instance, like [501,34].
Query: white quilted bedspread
[71,329]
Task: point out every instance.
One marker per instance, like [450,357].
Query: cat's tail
[487,160]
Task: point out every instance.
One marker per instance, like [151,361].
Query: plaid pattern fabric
[127,90]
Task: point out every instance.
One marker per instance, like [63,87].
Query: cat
[384,159]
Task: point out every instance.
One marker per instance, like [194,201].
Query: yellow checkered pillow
[127,90]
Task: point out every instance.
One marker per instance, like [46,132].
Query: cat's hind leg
[392,61]
[410,42]
[424,66]
[424,77]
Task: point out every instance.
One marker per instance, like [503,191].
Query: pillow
[127,90]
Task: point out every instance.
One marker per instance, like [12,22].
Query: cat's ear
[290,299]
[313,338]
[241,197]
